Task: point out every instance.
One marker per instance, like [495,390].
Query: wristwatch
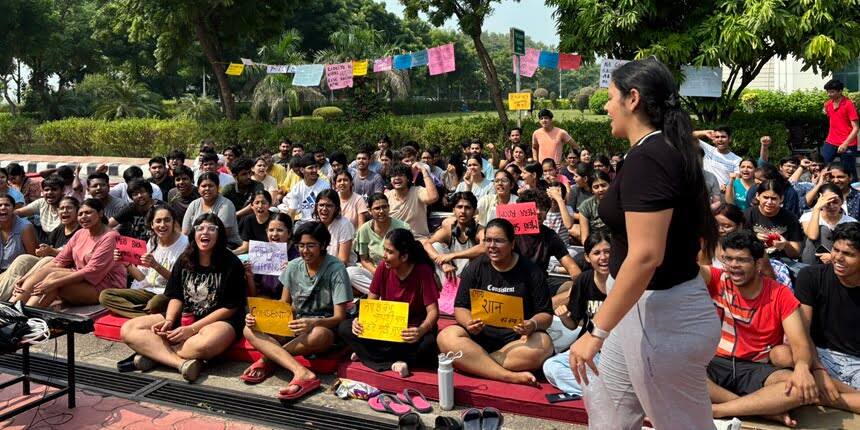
[596,331]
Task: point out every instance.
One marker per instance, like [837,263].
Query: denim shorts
[844,367]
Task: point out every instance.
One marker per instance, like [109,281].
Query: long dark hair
[404,242]
[190,259]
[661,105]
[332,196]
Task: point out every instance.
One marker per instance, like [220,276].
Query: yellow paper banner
[519,101]
[497,310]
[273,316]
[383,319]
[359,68]
[235,69]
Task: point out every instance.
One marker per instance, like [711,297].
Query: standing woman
[352,205]
[657,329]
[327,211]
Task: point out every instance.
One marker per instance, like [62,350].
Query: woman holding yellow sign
[405,275]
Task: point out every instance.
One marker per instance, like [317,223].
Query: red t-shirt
[840,121]
[418,289]
[750,328]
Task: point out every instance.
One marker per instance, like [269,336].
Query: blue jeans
[558,373]
[844,367]
[847,158]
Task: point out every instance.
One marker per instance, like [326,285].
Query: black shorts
[493,339]
[739,376]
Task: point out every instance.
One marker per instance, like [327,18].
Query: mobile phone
[562,397]
[822,250]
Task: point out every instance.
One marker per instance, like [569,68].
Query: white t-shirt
[479,189]
[721,165]
[165,256]
[341,230]
[120,191]
[821,222]
[302,198]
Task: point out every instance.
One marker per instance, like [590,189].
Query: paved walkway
[96,411]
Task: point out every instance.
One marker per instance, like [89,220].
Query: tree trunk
[213,56]
[492,78]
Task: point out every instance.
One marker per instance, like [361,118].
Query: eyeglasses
[208,228]
[494,241]
[308,246]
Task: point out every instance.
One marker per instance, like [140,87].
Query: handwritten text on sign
[267,258]
[235,69]
[497,310]
[383,319]
[273,316]
[524,217]
[339,75]
[519,101]
[606,68]
[130,249]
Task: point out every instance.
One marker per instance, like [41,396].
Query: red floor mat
[517,399]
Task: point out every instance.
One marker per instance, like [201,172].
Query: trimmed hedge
[597,100]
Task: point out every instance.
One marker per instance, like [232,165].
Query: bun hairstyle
[404,242]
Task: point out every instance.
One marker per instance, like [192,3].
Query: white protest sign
[607,66]
[267,258]
[277,68]
[247,62]
[702,81]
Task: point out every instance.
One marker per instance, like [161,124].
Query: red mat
[516,399]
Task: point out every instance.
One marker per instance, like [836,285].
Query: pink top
[94,257]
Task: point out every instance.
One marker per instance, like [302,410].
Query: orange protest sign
[273,316]
[383,319]
[524,217]
[497,310]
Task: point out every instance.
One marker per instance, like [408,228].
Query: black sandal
[447,423]
[410,421]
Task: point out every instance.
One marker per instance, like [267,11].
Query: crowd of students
[783,275]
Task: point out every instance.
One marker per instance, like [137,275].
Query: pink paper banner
[569,61]
[339,75]
[382,64]
[441,59]
[528,62]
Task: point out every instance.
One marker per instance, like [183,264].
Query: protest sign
[702,82]
[607,66]
[382,64]
[279,68]
[308,75]
[524,217]
[441,59]
[130,249]
[528,62]
[273,316]
[569,61]
[519,101]
[339,76]
[383,319]
[247,62]
[497,310]
[419,58]
[359,68]
[235,69]
[267,258]
[402,62]
[548,60]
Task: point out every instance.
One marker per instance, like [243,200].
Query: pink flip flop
[387,403]
[415,399]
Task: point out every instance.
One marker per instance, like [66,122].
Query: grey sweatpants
[654,363]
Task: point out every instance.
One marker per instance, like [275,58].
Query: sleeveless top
[14,246]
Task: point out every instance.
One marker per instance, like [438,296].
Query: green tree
[127,100]
[196,108]
[275,93]
[743,36]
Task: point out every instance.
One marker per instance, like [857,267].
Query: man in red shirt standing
[842,136]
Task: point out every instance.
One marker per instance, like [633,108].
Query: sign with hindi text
[519,101]
[524,217]
[441,59]
[607,66]
[702,81]
[130,249]
[235,69]
[383,319]
[382,64]
[359,68]
[273,316]
[497,310]
[267,258]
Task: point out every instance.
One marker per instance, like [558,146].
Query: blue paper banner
[308,75]
[419,58]
[402,62]
[548,60]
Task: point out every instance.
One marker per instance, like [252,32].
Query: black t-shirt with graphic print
[132,223]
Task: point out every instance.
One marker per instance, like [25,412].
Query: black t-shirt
[653,180]
[250,229]
[58,238]
[166,185]
[835,309]
[241,197]
[540,247]
[784,223]
[585,299]
[524,280]
[204,290]
[133,223]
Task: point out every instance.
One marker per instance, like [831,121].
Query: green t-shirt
[369,244]
[316,297]
[588,209]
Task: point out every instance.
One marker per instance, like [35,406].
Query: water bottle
[446,379]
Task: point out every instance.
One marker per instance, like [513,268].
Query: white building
[786,76]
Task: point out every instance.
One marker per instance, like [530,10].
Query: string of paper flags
[439,60]
[535,58]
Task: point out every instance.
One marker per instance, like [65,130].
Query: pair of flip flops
[482,419]
[306,386]
[263,369]
[412,421]
[400,405]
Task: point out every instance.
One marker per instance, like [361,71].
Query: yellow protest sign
[519,101]
[359,68]
[273,316]
[235,69]
[497,310]
[383,319]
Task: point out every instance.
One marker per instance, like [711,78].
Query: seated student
[818,224]
[185,192]
[409,202]
[353,206]
[317,287]
[82,269]
[175,158]
[830,304]
[207,282]
[406,275]
[72,186]
[209,164]
[30,189]
[551,174]
[158,175]
[505,186]
[458,240]
[368,242]
[560,216]
[212,202]
[279,229]
[772,224]
[474,180]
[46,207]
[254,227]
[131,221]
[13,192]
[259,174]
[503,354]
[327,211]
[120,190]
[757,313]
[589,218]
[581,187]
[243,190]
[17,238]
[300,202]
[364,173]
[835,174]
[790,199]
[532,177]
[584,298]
[740,183]
[146,295]
[98,187]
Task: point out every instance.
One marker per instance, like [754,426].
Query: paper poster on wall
[382,64]
[267,258]
[523,216]
[273,316]
[441,59]
[702,81]
[519,101]
[383,319]
[359,68]
[235,69]
[569,61]
[607,66]
[339,76]
[497,310]
[308,75]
